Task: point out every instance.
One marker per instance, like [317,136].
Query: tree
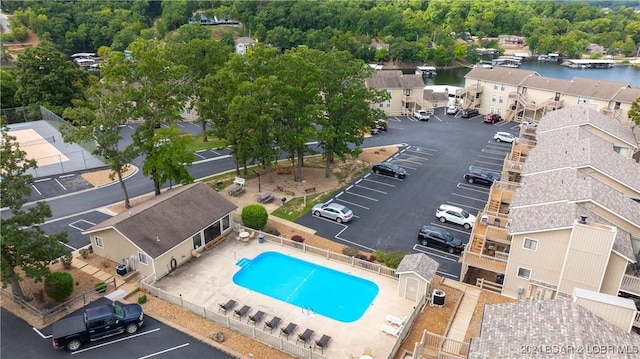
[98,120]
[634,111]
[47,78]
[169,157]
[8,87]
[23,244]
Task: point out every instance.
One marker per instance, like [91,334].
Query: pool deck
[207,281]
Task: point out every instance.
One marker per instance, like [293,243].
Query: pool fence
[267,338]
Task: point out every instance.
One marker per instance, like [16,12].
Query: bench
[289,193]
[214,242]
[310,190]
[265,197]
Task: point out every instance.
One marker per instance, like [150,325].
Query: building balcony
[630,284]
[474,89]
[482,261]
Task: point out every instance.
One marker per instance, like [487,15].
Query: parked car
[452,110]
[382,124]
[492,118]
[96,323]
[528,125]
[505,137]
[389,169]
[422,115]
[431,236]
[478,175]
[446,213]
[334,211]
[469,112]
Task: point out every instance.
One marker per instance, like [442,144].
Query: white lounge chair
[387,329]
[392,319]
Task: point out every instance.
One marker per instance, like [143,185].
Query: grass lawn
[197,144]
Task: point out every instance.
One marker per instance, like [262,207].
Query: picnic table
[238,187]
[265,197]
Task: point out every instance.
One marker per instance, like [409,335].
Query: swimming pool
[322,290]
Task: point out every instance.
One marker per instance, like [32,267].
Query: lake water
[627,74]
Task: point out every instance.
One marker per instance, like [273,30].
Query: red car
[492,118]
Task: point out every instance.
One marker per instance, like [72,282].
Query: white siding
[613,275]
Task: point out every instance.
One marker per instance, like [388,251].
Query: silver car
[334,211]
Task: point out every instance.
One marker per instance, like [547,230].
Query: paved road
[4,22]
[154,339]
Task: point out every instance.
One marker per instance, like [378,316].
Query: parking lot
[74,226]
[154,339]
[389,211]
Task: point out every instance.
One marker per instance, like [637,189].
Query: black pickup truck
[96,323]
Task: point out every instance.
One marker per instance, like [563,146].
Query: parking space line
[372,189]
[58,182]
[516,127]
[115,341]
[493,158]
[352,204]
[403,160]
[34,187]
[362,196]
[418,149]
[490,163]
[437,118]
[439,224]
[472,188]
[217,153]
[467,197]
[179,124]
[394,119]
[40,333]
[199,155]
[418,247]
[499,147]
[494,152]
[353,243]
[67,176]
[164,351]
[490,170]
[42,180]
[448,274]
[78,228]
[422,153]
[382,183]
[501,123]
[405,166]
[464,206]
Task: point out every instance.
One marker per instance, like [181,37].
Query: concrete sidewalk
[462,318]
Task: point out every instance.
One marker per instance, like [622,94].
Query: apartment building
[524,95]
[566,214]
[406,92]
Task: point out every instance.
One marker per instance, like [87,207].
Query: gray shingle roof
[597,89]
[430,95]
[394,79]
[546,83]
[627,95]
[420,264]
[161,223]
[578,148]
[585,116]
[507,329]
[499,74]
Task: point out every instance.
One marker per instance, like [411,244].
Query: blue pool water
[322,290]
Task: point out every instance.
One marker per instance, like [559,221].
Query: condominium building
[566,214]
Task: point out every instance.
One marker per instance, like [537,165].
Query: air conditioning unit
[437,298]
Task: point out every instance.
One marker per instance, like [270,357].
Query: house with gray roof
[242,44]
[166,231]
[406,92]
[415,273]
[566,213]
[559,328]
[524,95]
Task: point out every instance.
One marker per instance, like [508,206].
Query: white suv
[422,115]
[446,213]
[505,137]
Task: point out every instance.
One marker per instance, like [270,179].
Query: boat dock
[588,64]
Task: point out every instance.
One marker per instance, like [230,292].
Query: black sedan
[469,112]
[430,236]
[480,176]
[388,169]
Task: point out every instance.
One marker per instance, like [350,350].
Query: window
[212,232]
[621,150]
[530,244]
[99,242]
[502,87]
[406,92]
[226,222]
[501,100]
[492,109]
[495,85]
[197,241]
[499,110]
[96,324]
[142,258]
[524,273]
[494,98]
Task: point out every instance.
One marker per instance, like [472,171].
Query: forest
[415,30]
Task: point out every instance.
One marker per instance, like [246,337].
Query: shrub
[142,299]
[372,258]
[101,287]
[58,285]
[392,260]
[297,238]
[254,216]
[84,252]
[273,232]
[378,255]
[350,251]
[66,260]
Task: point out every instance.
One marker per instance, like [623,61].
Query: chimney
[583,220]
